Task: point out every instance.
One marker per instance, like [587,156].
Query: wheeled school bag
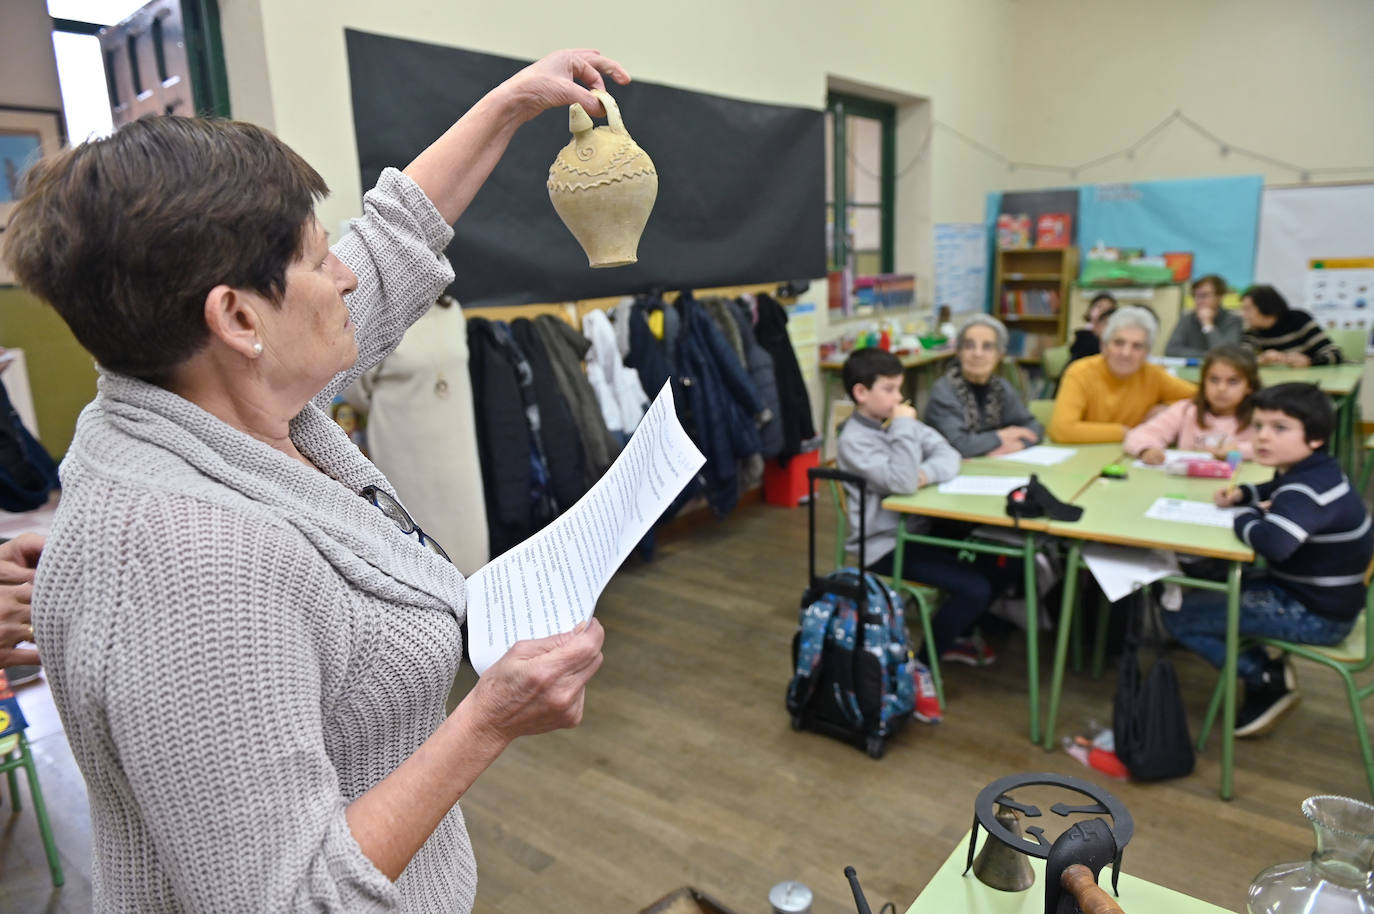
[852,663]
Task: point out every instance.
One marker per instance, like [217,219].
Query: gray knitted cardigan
[239,645]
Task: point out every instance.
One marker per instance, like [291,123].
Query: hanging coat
[503,440]
[719,402]
[761,371]
[795,403]
[647,353]
[557,430]
[617,388]
[566,349]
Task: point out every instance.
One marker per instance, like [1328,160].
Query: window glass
[85,97]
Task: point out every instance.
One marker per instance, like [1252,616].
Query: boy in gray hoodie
[897,454]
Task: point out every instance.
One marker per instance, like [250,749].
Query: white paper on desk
[1191,512]
[1171,455]
[1045,455]
[982,485]
[551,581]
[1121,570]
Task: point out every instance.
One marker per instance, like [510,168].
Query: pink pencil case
[1216,469]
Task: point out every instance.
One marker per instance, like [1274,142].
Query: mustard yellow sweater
[1096,406]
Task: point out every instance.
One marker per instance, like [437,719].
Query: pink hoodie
[1176,427]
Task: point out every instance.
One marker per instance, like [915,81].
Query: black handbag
[1149,722]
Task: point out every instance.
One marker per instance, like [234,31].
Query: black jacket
[557,430]
[503,440]
[793,400]
[765,379]
[719,402]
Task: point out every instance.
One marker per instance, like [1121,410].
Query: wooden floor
[686,772]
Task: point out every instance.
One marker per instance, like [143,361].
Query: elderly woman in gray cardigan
[249,640]
[976,409]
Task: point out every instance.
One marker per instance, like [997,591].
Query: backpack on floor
[1149,722]
[853,669]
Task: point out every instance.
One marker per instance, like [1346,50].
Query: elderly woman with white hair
[978,411]
[1103,396]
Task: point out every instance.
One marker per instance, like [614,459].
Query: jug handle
[612,110]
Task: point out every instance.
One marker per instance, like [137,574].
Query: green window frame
[841,107]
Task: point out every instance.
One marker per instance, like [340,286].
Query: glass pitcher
[1337,879]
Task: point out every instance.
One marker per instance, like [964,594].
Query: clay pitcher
[603,187]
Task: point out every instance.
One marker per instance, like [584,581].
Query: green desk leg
[1066,609]
[1228,687]
[1228,717]
[1032,637]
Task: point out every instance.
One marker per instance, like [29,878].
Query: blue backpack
[853,668]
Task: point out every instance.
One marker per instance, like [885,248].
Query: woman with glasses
[249,639]
[976,409]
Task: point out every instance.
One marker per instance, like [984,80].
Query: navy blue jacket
[1316,535]
[719,402]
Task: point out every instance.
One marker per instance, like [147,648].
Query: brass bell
[1000,866]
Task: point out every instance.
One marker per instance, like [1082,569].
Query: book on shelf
[1053,230]
[1013,231]
[1030,302]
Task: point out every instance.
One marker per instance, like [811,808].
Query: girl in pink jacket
[1216,420]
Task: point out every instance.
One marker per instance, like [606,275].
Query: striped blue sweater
[1316,535]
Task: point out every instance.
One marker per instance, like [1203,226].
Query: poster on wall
[1339,292]
[1216,219]
[961,266]
[1301,224]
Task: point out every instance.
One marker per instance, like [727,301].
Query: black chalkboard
[741,193]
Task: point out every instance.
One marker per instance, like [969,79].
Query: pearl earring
[257,349]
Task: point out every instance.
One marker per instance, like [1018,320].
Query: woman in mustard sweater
[1103,396]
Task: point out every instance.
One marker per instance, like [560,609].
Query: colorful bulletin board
[1217,219]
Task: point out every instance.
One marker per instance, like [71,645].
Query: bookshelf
[1030,296]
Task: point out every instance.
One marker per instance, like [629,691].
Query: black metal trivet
[998,792]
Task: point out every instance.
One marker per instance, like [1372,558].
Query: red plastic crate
[786,485]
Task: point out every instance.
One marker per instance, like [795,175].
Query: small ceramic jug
[603,187]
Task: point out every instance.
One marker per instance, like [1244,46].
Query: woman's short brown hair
[125,236]
[1211,279]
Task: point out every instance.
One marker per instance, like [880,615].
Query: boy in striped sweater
[1311,525]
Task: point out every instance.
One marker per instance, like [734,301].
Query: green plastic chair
[922,595]
[1041,410]
[1011,370]
[1053,361]
[1353,655]
[1368,464]
[14,755]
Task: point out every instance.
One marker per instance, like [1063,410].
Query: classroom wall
[1290,81]
[955,54]
[28,70]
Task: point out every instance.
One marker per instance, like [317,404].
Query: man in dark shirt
[1281,335]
